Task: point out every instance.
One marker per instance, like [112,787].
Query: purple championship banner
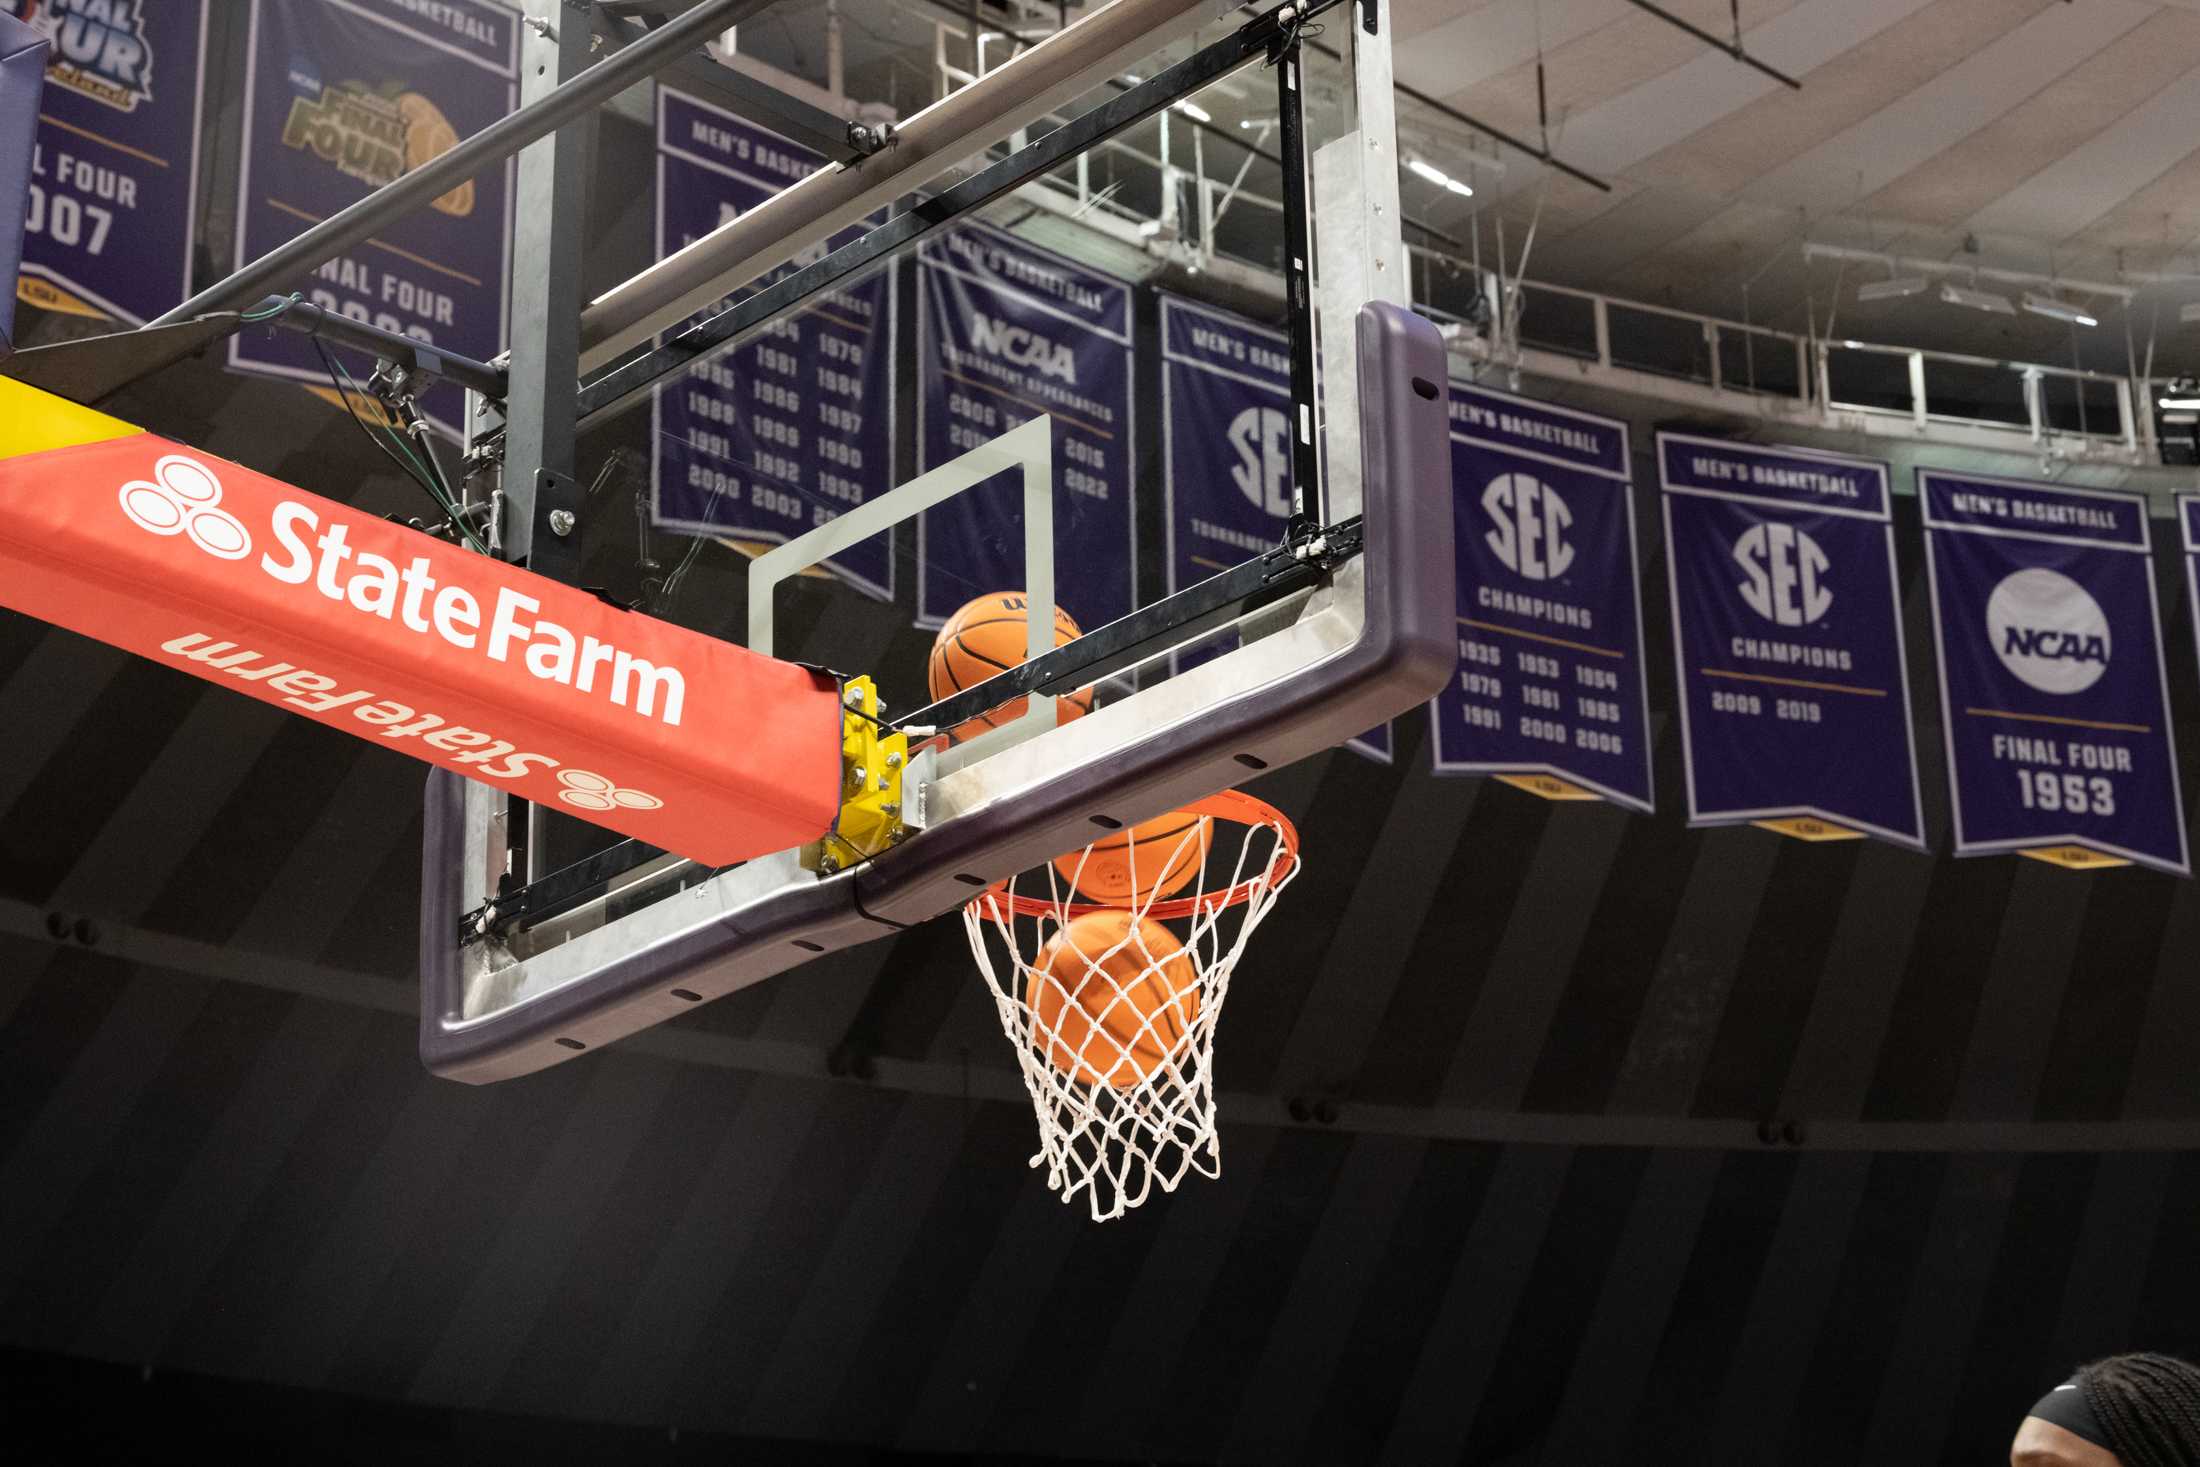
[341,97]
[2188,521]
[1226,480]
[113,207]
[1550,693]
[1007,332]
[779,436]
[1787,633]
[2052,682]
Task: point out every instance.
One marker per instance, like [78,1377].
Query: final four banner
[114,171]
[341,97]
[1787,631]
[779,436]
[1007,332]
[1549,693]
[2051,675]
[1226,401]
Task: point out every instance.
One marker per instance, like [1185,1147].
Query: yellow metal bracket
[873,761]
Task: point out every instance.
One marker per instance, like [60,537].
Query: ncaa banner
[1549,695]
[1007,332]
[2052,682]
[1227,475]
[114,172]
[341,97]
[782,435]
[1787,630]
[381,632]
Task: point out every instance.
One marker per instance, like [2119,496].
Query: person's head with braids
[2125,1411]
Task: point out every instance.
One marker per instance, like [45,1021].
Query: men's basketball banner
[341,97]
[2188,521]
[22,85]
[779,436]
[110,223]
[1787,633]
[1007,332]
[527,685]
[2051,673]
[1549,693]
[1227,476]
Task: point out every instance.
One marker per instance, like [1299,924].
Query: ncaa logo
[2048,631]
[1261,438]
[1786,573]
[1528,524]
[185,498]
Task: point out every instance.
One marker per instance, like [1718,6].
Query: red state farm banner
[696,745]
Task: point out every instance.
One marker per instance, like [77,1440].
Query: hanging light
[1425,169]
[1892,289]
[1195,112]
[2057,310]
[1977,300]
[2181,395]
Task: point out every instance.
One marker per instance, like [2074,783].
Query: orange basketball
[1111,995]
[1147,862]
[986,638]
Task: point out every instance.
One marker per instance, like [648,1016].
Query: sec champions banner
[1225,407]
[342,96]
[1787,633]
[782,435]
[1007,332]
[1549,694]
[111,220]
[2051,675]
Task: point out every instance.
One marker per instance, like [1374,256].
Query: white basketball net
[1122,1078]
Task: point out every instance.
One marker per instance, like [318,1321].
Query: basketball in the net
[985,638]
[1147,862]
[1111,995]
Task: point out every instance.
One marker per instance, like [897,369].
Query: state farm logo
[184,498]
[1786,573]
[2048,631]
[587,790]
[1528,524]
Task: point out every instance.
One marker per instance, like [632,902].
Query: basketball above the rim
[1150,861]
[985,638]
[1111,995]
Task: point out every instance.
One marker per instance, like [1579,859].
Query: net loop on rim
[1112,1008]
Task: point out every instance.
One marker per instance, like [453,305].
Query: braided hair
[2149,1406]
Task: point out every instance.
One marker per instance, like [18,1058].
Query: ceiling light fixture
[1894,289]
[1977,300]
[2058,310]
[1195,112]
[2181,395]
[2189,312]
[1425,169]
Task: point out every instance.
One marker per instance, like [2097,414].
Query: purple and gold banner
[341,97]
[1787,635]
[2051,672]
[1007,332]
[1550,692]
[110,222]
[1227,479]
[777,437]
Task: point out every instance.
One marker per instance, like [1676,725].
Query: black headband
[2065,1406]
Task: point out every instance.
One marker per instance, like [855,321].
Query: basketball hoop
[1112,1007]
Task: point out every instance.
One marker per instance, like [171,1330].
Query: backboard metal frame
[1357,639]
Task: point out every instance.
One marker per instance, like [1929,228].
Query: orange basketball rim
[1234,806]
